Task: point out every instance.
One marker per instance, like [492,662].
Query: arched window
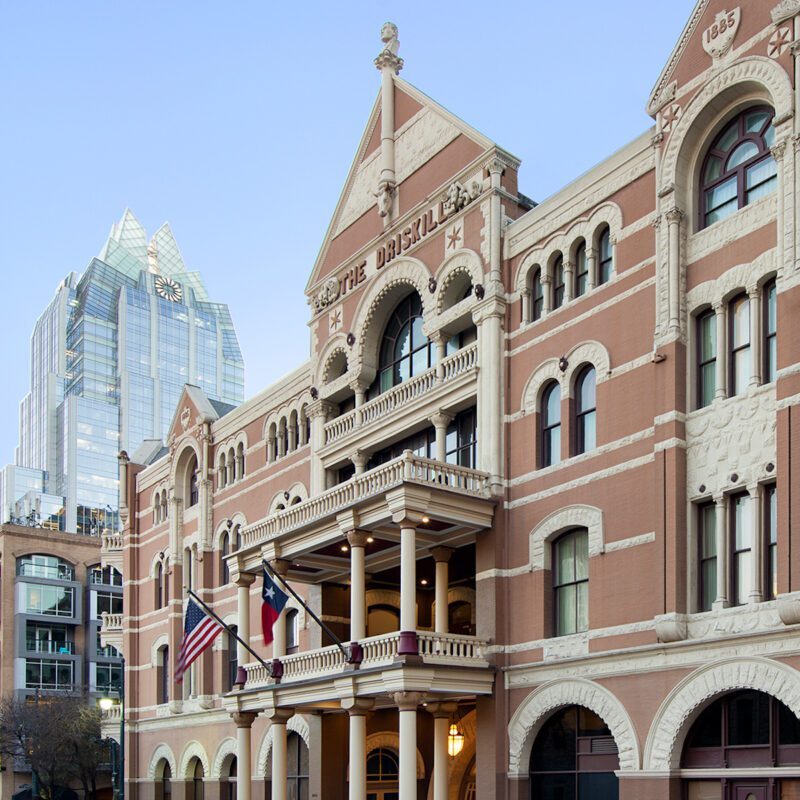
[571,582]
[581,270]
[770,316]
[164,507]
[585,411]
[574,756]
[157,508]
[297,770]
[742,731]
[305,425]
[162,675]
[558,282]
[383,773]
[605,262]
[240,460]
[537,295]
[706,357]
[196,776]
[224,550]
[739,167]
[188,570]
[292,631]
[228,781]
[192,475]
[739,337]
[405,350]
[163,788]
[222,479]
[233,474]
[272,443]
[158,585]
[550,416]
[233,657]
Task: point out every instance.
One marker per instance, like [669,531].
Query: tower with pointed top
[109,358]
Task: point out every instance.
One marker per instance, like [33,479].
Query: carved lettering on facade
[719,35]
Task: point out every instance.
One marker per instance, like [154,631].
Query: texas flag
[273,599]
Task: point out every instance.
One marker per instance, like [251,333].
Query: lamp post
[106,704]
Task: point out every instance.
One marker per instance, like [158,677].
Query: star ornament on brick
[779,42]
[670,117]
[453,238]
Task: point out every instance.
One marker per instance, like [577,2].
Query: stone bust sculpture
[389,38]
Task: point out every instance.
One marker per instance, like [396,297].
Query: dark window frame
[769,539]
[700,319]
[734,553]
[559,283]
[733,349]
[560,586]
[537,296]
[605,261]
[547,427]
[581,271]
[582,414]
[769,334]
[702,558]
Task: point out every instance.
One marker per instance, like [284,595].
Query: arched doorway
[383,774]
[194,780]
[297,768]
[741,731]
[227,780]
[163,788]
[574,757]
[468,789]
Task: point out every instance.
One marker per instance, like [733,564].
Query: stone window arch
[186,475]
[455,278]
[574,516]
[162,756]
[296,724]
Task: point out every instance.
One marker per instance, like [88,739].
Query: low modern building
[53,595]
[537,474]
[109,357]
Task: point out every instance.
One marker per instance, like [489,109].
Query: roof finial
[391,44]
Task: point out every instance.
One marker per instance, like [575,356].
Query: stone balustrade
[111,622]
[111,542]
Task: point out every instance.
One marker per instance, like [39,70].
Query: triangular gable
[193,403]
[423,129]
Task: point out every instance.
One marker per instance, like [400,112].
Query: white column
[757,544]
[243,584]
[359,460]
[440,340]
[440,421]
[495,169]
[721,529]
[358,595]
[674,216]
[547,296]
[318,412]
[591,265]
[569,279]
[360,393]
[407,703]
[244,758]
[754,294]
[279,718]
[357,708]
[721,373]
[441,716]
[408,589]
[441,556]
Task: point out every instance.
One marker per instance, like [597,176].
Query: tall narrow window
[706,358]
[461,441]
[551,425]
[159,585]
[739,167]
[581,270]
[224,550]
[558,282]
[292,631]
[222,472]
[739,316]
[162,668]
[770,543]
[537,296]
[707,552]
[770,317]
[240,460]
[233,659]
[585,411]
[571,582]
[194,495]
[741,548]
[605,264]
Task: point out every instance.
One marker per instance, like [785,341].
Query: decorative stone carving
[391,45]
[789,608]
[670,116]
[785,10]
[384,195]
[574,516]
[329,293]
[566,647]
[779,42]
[671,627]
[540,704]
[719,35]
[690,696]
[458,196]
[162,752]
[295,724]
[192,750]
[186,416]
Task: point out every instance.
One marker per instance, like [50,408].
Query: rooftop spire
[389,64]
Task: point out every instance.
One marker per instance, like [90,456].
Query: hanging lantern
[455,741]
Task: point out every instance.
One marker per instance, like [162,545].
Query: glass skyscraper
[109,358]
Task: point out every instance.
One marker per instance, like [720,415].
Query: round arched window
[738,168]
[405,350]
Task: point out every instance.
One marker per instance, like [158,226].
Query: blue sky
[237,123]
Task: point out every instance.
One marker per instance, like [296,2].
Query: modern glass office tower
[109,357]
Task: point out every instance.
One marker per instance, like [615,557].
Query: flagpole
[231,632]
[336,640]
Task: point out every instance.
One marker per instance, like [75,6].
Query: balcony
[453,372]
[47,646]
[111,631]
[456,502]
[61,572]
[446,663]
[111,550]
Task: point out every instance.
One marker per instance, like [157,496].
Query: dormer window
[739,167]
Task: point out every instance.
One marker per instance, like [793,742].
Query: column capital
[442,554]
[717,306]
[753,291]
[441,709]
[357,538]
[280,566]
[243,719]
[441,419]
[357,706]
[674,215]
[407,701]
[245,579]
[719,499]
[278,716]
[359,459]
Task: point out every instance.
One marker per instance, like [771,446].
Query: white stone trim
[684,703]
[227,747]
[382,597]
[157,644]
[336,344]
[631,541]
[575,516]
[296,724]
[529,717]
[192,750]
[162,751]
[459,263]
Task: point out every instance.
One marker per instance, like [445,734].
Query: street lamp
[107,702]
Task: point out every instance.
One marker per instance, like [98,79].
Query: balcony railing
[378,651]
[46,646]
[406,468]
[111,622]
[404,393]
[53,573]
[111,542]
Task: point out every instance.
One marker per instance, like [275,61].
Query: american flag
[199,631]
